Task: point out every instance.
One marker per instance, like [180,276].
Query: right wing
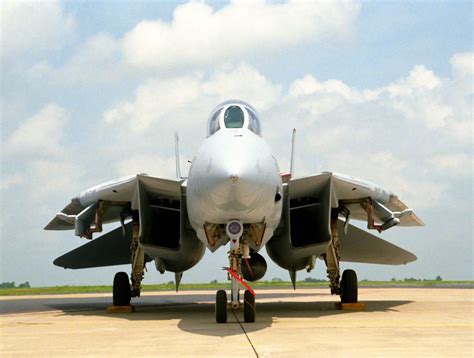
[120,195]
[351,192]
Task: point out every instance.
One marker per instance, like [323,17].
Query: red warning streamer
[245,284]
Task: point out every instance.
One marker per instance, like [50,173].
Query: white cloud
[309,85]
[53,179]
[198,34]
[449,165]
[33,27]
[149,164]
[156,100]
[189,99]
[9,181]
[419,79]
[463,64]
[39,135]
[97,60]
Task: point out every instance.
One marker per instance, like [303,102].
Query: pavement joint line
[246,335]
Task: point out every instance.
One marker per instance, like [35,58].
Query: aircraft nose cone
[242,187]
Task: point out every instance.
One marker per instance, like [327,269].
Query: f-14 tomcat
[234,197]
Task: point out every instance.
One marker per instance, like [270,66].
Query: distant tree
[24,285]
[7,285]
[393,279]
[311,279]
[170,283]
[438,278]
[214,281]
[277,279]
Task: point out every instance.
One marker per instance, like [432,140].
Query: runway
[395,322]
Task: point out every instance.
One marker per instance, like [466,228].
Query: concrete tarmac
[395,322]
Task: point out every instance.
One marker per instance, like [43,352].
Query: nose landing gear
[239,249]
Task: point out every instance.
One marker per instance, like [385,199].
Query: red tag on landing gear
[245,284]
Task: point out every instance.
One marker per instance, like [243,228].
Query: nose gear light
[234,229]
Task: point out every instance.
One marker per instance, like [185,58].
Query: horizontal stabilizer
[108,250]
[360,246]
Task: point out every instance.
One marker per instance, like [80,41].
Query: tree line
[12,285]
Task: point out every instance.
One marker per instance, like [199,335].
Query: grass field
[215,286]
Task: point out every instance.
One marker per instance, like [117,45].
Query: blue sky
[94,90]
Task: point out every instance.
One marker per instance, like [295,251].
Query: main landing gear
[239,250]
[124,289]
[346,287]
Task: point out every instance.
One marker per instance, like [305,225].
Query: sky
[94,90]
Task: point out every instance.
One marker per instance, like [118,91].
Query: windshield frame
[251,120]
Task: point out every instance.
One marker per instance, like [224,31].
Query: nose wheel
[249,307]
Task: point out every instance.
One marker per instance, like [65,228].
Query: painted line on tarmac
[246,335]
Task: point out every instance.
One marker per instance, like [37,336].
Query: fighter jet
[236,198]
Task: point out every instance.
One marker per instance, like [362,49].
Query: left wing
[360,246]
[359,199]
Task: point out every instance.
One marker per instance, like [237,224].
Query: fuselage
[234,176]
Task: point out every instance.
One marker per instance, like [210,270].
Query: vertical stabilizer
[292,160]
[176,153]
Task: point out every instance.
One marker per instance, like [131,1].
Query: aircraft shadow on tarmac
[197,317]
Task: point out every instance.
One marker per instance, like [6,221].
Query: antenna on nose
[292,160]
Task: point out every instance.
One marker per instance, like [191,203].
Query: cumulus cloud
[198,34]
[463,64]
[34,28]
[36,165]
[449,165]
[97,60]
[39,135]
[147,163]
[197,37]
[186,99]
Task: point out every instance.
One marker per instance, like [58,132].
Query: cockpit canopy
[234,114]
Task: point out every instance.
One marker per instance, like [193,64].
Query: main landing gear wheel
[221,306]
[349,287]
[249,307]
[121,291]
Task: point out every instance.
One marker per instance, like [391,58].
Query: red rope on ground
[245,284]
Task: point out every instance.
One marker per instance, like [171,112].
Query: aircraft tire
[221,306]
[249,307]
[121,290]
[349,287]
